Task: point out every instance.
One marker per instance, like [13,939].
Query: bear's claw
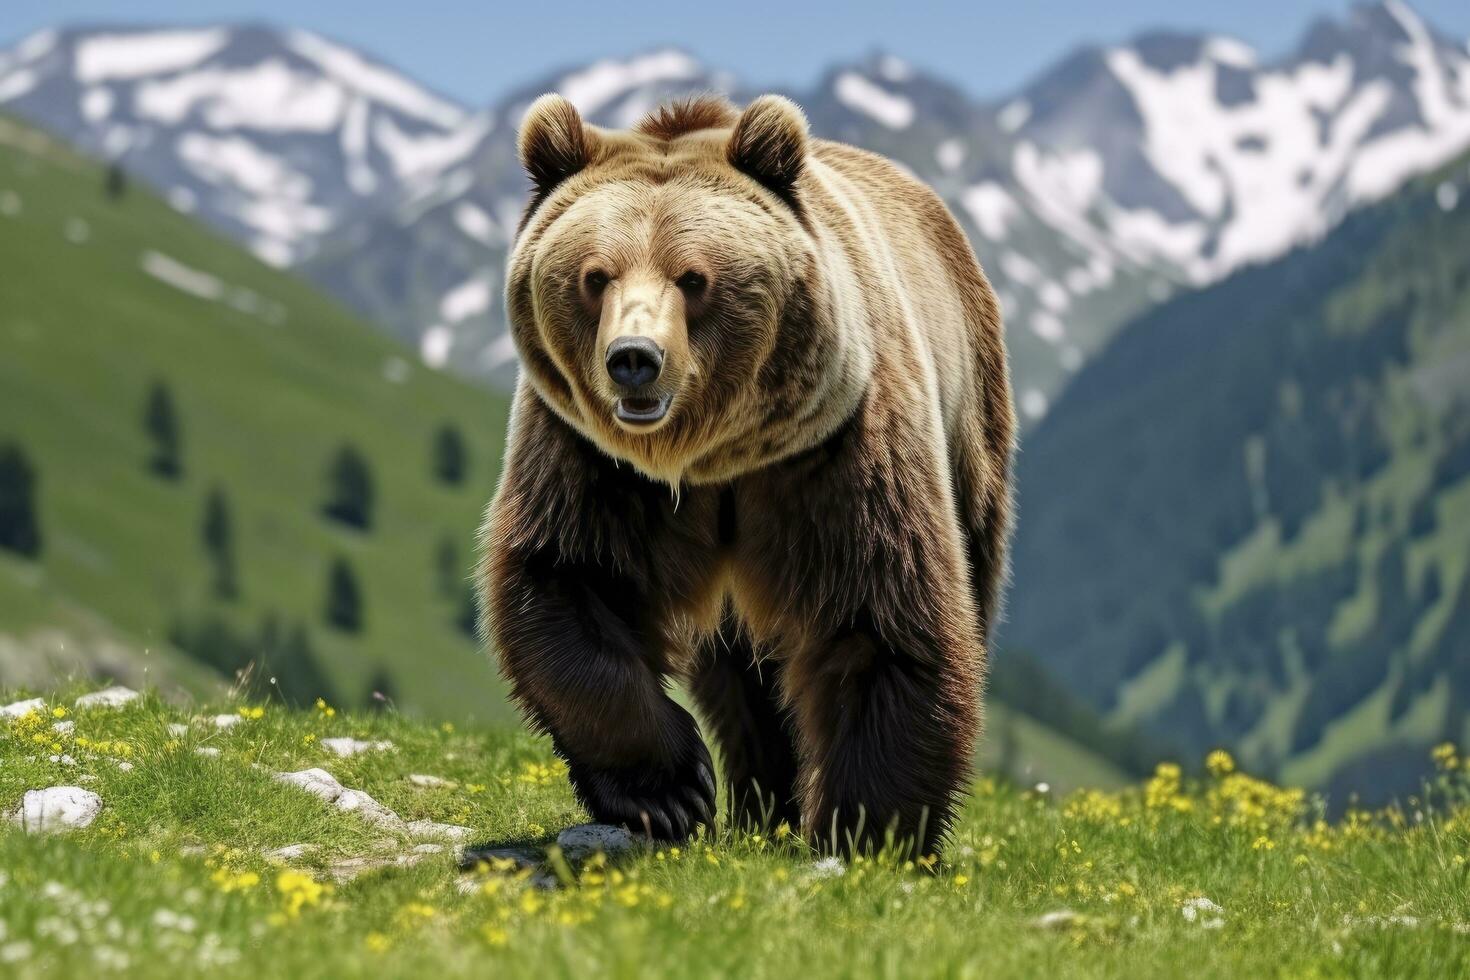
[665,805]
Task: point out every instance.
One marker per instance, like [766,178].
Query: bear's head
[665,290]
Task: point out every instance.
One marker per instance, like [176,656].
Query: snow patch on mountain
[134,54]
[186,279]
[37,45]
[861,95]
[16,84]
[991,208]
[474,222]
[468,299]
[429,154]
[605,81]
[376,82]
[1014,115]
[270,95]
[1229,51]
[435,345]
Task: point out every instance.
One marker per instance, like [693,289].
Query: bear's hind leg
[886,740]
[739,697]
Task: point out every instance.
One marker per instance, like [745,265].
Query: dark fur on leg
[740,699]
[884,741]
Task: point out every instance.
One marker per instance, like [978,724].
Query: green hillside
[1248,523]
[99,300]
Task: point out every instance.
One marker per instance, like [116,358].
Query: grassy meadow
[1221,876]
[102,298]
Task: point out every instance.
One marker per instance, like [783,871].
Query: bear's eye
[691,282]
[595,281]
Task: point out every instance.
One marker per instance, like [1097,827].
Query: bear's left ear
[769,143]
[554,144]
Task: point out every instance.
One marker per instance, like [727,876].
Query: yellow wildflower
[1219,763]
[299,891]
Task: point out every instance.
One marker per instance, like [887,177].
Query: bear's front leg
[574,641]
[887,731]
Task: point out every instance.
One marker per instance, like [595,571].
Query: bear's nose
[633,362]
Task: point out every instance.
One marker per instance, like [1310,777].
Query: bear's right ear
[769,143]
[553,143]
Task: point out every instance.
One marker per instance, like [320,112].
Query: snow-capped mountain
[1116,177]
[430,264]
[273,136]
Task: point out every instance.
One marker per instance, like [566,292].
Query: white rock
[345,870]
[1060,919]
[19,709]
[1202,910]
[375,813]
[225,721]
[444,831]
[124,765]
[177,730]
[352,746]
[108,697]
[208,751]
[829,867]
[324,786]
[317,782]
[63,727]
[429,782]
[428,848]
[584,840]
[290,852]
[57,808]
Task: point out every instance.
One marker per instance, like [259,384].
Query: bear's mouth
[643,411]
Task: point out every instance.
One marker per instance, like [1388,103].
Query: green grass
[171,877]
[264,399]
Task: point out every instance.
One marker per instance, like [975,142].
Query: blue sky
[474,50]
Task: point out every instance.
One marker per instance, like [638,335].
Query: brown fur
[814,536]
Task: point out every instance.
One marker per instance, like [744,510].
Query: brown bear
[761,442]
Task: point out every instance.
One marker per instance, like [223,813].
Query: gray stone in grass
[178,730]
[57,808]
[423,781]
[1060,919]
[324,786]
[19,709]
[439,831]
[109,697]
[345,747]
[208,751]
[225,721]
[289,853]
[584,840]
[521,859]
[348,868]
[1205,912]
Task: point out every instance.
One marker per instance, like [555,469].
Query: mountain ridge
[1111,179]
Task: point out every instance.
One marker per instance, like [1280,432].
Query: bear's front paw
[664,802]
